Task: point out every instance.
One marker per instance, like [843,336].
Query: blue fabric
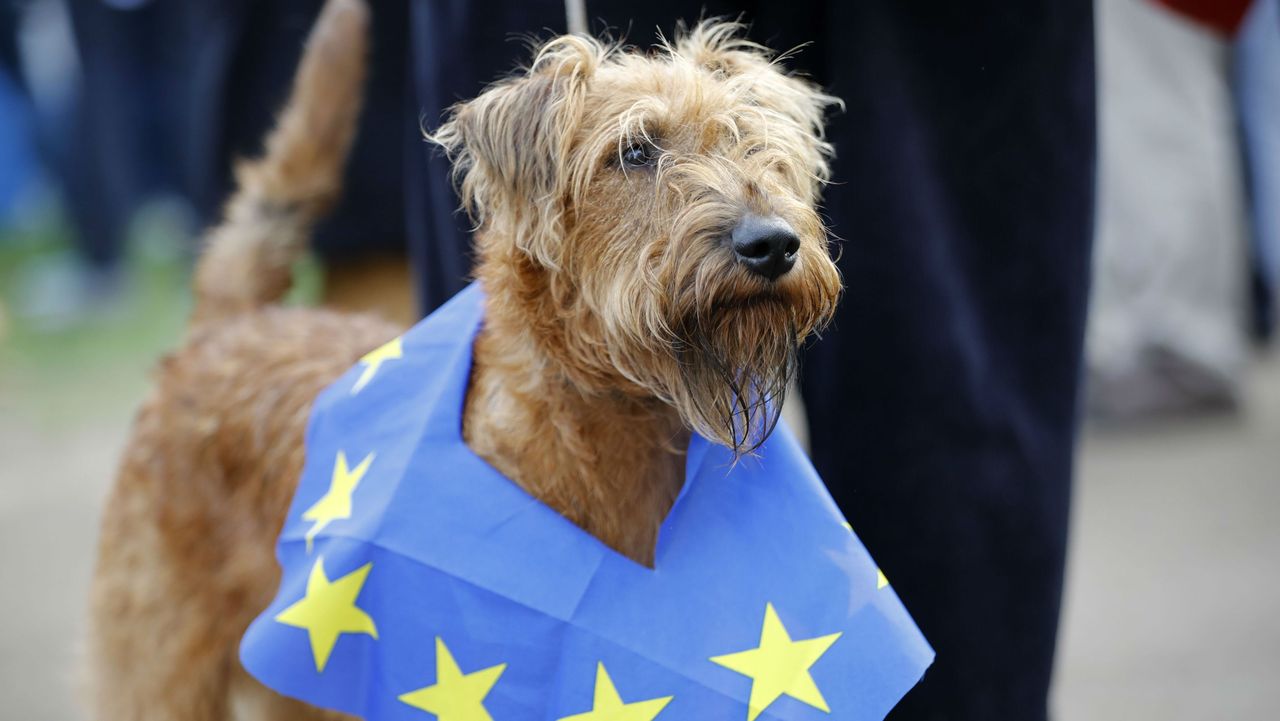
[462,554]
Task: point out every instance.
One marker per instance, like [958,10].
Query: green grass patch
[95,361]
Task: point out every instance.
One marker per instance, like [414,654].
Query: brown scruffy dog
[652,258]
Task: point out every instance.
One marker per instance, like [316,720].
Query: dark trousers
[943,401]
[121,144]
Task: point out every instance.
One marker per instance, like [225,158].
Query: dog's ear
[721,48]
[509,146]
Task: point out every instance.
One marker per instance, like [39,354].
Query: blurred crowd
[979,229]
[1187,253]
[109,107]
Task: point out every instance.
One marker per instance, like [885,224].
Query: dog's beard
[736,363]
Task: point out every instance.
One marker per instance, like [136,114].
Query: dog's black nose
[766,246]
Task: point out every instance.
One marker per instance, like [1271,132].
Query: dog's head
[654,215]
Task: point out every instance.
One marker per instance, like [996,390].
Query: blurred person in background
[103,81]
[1256,75]
[129,120]
[17,161]
[1182,275]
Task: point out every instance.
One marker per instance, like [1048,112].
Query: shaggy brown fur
[617,321]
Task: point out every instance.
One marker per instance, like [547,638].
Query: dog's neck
[610,462]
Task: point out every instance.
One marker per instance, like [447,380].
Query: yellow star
[608,705]
[374,359]
[335,505]
[455,696]
[779,666]
[329,610]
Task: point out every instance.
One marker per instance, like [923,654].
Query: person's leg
[943,399]
[104,174]
[10,63]
[1257,88]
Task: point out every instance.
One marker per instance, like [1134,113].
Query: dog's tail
[247,260]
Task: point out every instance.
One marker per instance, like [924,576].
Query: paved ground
[51,484]
[1174,580]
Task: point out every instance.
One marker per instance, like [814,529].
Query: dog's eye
[639,155]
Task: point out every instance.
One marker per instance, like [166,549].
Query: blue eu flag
[420,583]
